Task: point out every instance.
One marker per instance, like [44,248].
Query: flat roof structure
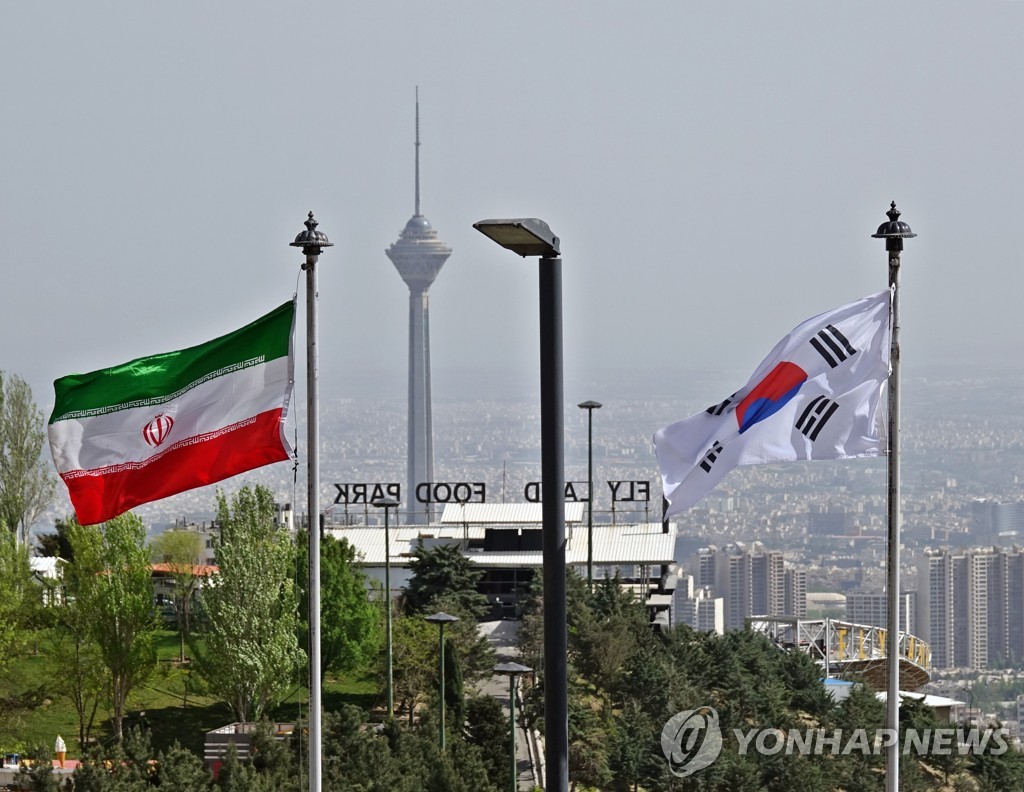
[614,545]
[505,513]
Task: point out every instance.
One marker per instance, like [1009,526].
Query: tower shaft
[420,467]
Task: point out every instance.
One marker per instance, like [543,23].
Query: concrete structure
[418,255]
[864,607]
[751,581]
[970,604]
[698,608]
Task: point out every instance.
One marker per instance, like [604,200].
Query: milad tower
[418,255]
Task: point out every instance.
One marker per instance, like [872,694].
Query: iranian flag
[163,424]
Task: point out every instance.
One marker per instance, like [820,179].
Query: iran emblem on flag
[156,431]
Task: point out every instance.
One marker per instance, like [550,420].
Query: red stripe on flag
[99,496]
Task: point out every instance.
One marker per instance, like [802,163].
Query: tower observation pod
[418,255]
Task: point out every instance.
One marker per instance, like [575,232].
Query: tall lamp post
[512,670]
[312,243]
[441,619]
[893,232]
[388,504]
[590,406]
[533,237]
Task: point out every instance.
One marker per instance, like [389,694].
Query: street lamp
[533,237]
[590,406]
[512,670]
[312,243]
[387,504]
[441,619]
[893,232]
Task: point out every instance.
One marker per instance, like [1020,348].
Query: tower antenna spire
[417,151]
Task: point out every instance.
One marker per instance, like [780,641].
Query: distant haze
[714,171]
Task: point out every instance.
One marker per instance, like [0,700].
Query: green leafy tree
[111,580]
[487,727]
[351,632]
[251,652]
[26,484]
[414,662]
[18,598]
[57,543]
[76,655]
[182,552]
[180,770]
[37,776]
[444,571]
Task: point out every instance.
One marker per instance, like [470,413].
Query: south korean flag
[815,396]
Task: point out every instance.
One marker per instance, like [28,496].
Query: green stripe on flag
[159,378]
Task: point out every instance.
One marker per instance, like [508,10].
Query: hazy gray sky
[714,170]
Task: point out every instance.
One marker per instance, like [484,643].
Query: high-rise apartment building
[872,608]
[971,604]
[751,581]
[698,607]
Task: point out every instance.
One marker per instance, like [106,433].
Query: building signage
[455,492]
[623,491]
[531,492]
[366,493]
[575,491]
[476,492]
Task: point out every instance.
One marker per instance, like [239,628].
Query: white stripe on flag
[117,437]
[816,396]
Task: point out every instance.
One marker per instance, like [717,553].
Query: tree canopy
[26,484]
[350,624]
[251,651]
[110,581]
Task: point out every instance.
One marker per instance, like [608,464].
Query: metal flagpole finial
[894,231]
[311,241]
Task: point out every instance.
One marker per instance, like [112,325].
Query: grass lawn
[172,699]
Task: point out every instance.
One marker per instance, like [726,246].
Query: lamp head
[441,618]
[527,236]
[512,669]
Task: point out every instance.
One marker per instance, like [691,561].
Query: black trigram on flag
[815,416]
[711,456]
[718,409]
[832,345]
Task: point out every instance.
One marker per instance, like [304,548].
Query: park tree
[251,651]
[17,597]
[181,551]
[57,543]
[26,484]
[351,632]
[76,655]
[488,727]
[444,571]
[414,653]
[110,581]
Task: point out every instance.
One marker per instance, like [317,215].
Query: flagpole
[312,242]
[893,232]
